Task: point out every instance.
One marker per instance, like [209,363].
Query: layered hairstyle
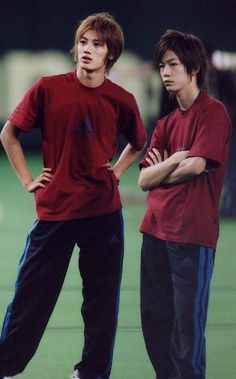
[190,51]
[108,30]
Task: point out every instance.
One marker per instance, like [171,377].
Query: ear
[196,71]
[110,57]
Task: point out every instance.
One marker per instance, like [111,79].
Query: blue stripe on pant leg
[206,261]
[10,306]
[204,305]
[196,307]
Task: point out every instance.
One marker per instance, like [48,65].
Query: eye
[161,65]
[98,43]
[82,42]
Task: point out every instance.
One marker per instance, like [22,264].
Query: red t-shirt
[80,128]
[188,212]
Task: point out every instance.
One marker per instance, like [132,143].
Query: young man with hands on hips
[80,115]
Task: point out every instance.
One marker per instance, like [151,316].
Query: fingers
[45,175]
[108,166]
[41,181]
[154,157]
[179,156]
[35,186]
[46,169]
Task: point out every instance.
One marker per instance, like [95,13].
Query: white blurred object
[222,59]
[140,78]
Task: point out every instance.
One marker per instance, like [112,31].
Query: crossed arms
[176,168]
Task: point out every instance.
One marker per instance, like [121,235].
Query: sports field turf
[61,345]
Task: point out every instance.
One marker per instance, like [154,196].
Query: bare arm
[126,159]
[159,170]
[12,146]
[171,170]
[186,170]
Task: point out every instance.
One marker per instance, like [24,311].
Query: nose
[166,70]
[87,48]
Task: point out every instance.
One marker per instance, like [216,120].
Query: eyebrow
[94,40]
[169,60]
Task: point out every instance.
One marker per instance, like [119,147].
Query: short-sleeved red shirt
[188,212]
[80,128]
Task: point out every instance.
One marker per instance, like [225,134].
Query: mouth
[168,83]
[86,59]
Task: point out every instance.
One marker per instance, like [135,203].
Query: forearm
[15,153]
[17,160]
[125,160]
[186,170]
[153,176]
[178,176]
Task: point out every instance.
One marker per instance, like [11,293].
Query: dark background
[37,25]
[45,24]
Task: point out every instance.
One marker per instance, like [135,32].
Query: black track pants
[42,271]
[175,281]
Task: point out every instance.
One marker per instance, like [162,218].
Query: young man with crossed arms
[183,170]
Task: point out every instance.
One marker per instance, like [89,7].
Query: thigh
[48,237]
[155,261]
[48,247]
[40,277]
[101,250]
[156,284]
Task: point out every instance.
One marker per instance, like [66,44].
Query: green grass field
[61,345]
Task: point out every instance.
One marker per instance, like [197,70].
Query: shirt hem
[75,216]
[171,238]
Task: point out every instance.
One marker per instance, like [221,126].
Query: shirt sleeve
[213,135]
[132,126]
[26,115]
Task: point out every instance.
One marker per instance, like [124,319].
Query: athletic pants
[41,275]
[175,281]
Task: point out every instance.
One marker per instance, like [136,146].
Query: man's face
[92,52]
[173,73]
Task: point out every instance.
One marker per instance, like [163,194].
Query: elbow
[142,184]
[2,137]
[199,167]
[8,135]
[148,182]
[198,171]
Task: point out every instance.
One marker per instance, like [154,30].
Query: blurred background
[35,40]
[36,37]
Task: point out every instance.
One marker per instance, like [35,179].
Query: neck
[187,97]
[90,79]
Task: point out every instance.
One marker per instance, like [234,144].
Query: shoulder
[210,104]
[55,80]
[213,114]
[120,93]
[166,120]
[48,85]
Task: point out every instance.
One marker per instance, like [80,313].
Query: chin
[171,91]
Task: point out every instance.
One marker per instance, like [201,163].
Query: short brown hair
[190,51]
[111,33]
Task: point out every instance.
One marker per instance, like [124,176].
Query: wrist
[26,183]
